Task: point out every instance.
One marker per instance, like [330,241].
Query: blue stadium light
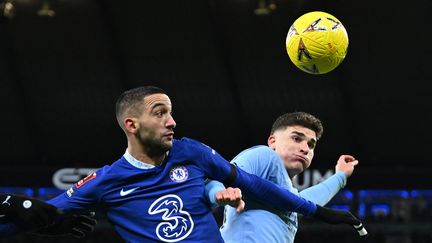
[18,190]
[362,210]
[341,207]
[348,195]
[421,193]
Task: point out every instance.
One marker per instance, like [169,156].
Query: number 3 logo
[177,224]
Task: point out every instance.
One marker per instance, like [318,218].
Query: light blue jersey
[260,223]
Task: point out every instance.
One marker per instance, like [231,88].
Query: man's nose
[170,122]
[304,147]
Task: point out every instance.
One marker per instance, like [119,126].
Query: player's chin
[167,143]
[296,167]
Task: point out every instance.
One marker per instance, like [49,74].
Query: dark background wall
[229,77]
[228,74]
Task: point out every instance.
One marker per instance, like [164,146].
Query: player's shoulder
[107,171]
[190,143]
[258,150]
[259,154]
[191,149]
[187,141]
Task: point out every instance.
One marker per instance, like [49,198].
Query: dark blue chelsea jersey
[154,203]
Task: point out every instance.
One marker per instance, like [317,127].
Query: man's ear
[131,124]
[271,141]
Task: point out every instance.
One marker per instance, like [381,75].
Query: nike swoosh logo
[124,193]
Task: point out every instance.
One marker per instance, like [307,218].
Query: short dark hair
[298,119]
[130,101]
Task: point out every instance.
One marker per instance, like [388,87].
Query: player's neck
[143,155]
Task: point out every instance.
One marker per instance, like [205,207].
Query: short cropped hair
[130,101]
[298,119]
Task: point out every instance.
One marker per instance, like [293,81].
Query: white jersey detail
[177,224]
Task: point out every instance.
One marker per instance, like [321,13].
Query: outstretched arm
[323,192]
[30,212]
[24,214]
[216,167]
[264,190]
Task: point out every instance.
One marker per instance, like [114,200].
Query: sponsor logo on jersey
[177,223]
[124,193]
[179,174]
[85,180]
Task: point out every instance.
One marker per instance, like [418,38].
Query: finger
[240,206]
[348,158]
[87,220]
[219,196]
[85,227]
[77,233]
[237,194]
[230,194]
[223,196]
[354,163]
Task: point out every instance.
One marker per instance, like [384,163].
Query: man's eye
[159,113]
[297,139]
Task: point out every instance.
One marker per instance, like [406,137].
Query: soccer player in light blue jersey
[289,152]
[155,192]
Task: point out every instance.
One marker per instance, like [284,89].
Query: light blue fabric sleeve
[249,160]
[211,189]
[259,160]
[262,162]
[323,192]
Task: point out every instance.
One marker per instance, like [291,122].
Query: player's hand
[28,210]
[335,216]
[346,164]
[72,224]
[231,196]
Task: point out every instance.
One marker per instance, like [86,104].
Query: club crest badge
[179,174]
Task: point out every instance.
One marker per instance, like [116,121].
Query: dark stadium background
[229,77]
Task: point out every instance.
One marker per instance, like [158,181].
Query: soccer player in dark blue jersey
[156,191]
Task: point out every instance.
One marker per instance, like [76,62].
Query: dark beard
[156,148]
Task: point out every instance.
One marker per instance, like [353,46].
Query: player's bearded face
[156,123]
[295,145]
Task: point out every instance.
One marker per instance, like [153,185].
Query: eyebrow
[156,105]
[304,136]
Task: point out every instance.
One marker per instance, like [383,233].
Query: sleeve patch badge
[85,180]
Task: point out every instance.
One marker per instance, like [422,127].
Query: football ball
[317,42]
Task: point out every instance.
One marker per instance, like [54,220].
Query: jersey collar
[136,163]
